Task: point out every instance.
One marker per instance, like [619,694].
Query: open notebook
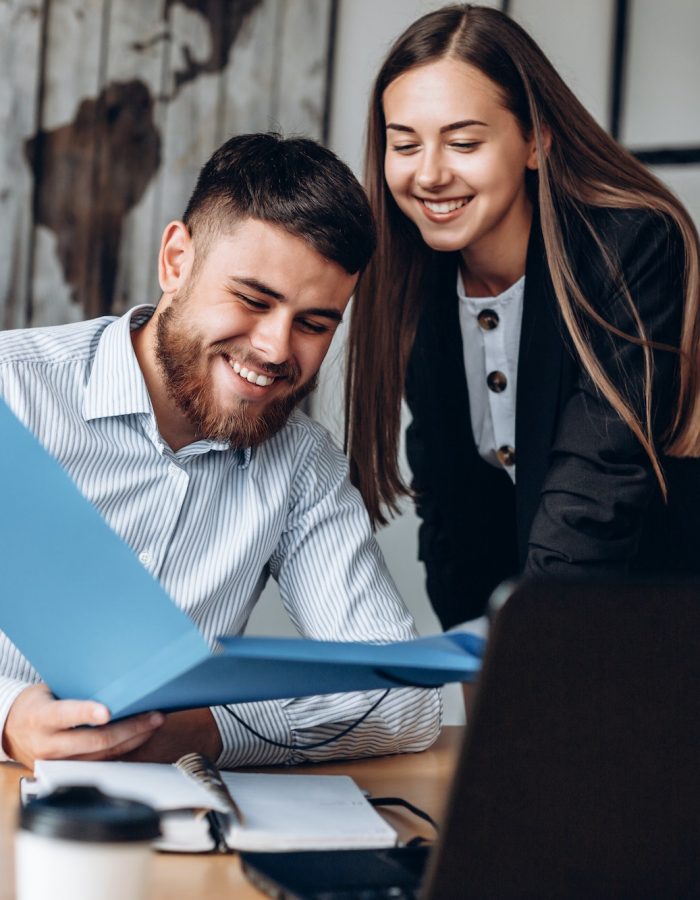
[203,809]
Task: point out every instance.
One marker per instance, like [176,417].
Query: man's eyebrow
[332,314]
[256,285]
[453,126]
[260,287]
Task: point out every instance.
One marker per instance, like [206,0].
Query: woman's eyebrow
[464,123]
[453,126]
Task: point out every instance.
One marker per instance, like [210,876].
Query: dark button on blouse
[506,455]
[496,381]
[488,319]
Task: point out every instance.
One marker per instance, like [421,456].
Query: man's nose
[433,171]
[271,339]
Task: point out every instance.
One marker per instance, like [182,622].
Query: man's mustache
[276,370]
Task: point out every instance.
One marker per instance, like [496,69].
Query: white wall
[577,38]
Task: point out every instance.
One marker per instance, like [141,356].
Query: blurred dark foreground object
[580,772]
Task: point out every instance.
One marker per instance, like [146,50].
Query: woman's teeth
[446,206]
[250,375]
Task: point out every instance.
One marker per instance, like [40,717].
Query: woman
[521,249]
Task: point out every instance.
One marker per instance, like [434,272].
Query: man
[179,423]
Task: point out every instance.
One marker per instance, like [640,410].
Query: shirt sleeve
[335,586]
[16,674]
[15,671]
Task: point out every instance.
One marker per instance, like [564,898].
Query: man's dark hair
[294,183]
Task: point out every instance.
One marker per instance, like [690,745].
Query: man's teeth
[250,375]
[446,206]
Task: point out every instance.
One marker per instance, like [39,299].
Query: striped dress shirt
[212,522]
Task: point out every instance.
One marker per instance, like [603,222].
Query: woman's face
[456,158]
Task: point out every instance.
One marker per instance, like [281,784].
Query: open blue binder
[96,625]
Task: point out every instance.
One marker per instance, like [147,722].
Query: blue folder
[96,625]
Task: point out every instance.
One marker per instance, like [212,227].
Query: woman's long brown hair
[584,167]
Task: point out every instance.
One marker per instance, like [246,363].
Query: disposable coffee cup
[79,844]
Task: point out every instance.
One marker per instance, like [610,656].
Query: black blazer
[586,502]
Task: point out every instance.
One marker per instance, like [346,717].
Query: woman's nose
[432,172]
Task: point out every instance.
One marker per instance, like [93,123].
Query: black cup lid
[86,814]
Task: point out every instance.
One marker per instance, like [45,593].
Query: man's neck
[173,425]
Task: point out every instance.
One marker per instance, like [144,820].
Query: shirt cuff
[242,748]
[10,689]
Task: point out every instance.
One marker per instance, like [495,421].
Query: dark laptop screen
[580,774]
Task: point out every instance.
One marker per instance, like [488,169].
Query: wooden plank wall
[108,110]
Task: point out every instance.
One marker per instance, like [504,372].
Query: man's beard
[186,364]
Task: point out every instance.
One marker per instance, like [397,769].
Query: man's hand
[183,732]
[41,727]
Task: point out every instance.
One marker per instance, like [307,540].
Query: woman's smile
[443,210]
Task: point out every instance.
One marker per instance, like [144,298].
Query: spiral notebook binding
[203,770]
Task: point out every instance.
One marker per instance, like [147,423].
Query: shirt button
[488,319]
[506,455]
[145,557]
[496,381]
[172,469]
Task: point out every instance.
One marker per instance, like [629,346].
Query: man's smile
[250,375]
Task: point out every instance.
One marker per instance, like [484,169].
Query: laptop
[579,775]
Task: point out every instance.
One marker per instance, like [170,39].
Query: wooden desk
[422,778]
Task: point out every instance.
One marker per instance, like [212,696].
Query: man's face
[241,341]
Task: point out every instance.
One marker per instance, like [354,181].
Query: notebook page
[295,812]
[159,785]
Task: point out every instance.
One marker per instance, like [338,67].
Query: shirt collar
[116,386]
[504,300]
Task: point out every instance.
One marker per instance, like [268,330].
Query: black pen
[217,829]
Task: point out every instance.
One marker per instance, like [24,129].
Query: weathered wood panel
[301,77]
[62,158]
[113,110]
[20,64]
[136,57]
[200,50]
[249,80]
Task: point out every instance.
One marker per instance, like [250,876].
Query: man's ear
[175,258]
[532,161]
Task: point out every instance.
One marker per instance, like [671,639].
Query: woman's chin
[443,243]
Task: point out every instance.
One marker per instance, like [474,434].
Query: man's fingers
[102,742]
[36,716]
[120,750]
[71,713]
[40,727]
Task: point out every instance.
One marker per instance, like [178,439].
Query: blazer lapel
[449,374]
[540,361]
